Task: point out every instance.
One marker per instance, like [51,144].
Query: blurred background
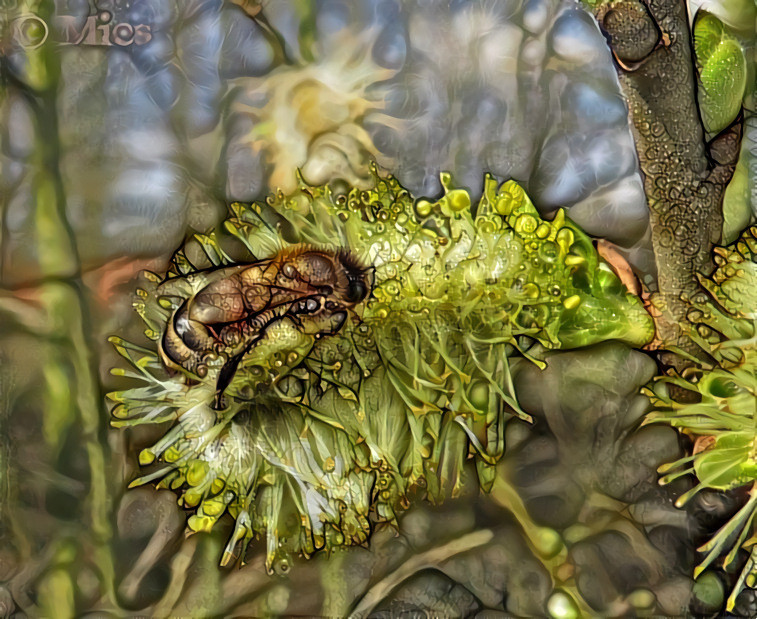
[128,125]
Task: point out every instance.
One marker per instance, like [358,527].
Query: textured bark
[684,178]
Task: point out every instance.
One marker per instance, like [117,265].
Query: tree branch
[684,183]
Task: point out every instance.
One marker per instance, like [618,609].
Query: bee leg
[224,378]
[229,369]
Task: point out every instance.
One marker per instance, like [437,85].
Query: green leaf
[737,207]
[723,72]
[723,466]
[708,32]
[738,15]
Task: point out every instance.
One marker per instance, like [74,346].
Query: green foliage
[321,436]
[722,72]
[738,15]
[723,414]
[737,206]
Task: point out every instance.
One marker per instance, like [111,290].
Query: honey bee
[314,288]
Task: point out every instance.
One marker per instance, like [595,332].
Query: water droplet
[423,208]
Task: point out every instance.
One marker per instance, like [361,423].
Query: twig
[429,558]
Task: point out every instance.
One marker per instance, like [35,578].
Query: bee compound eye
[318,268]
[356,291]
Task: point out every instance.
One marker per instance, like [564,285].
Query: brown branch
[684,182]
